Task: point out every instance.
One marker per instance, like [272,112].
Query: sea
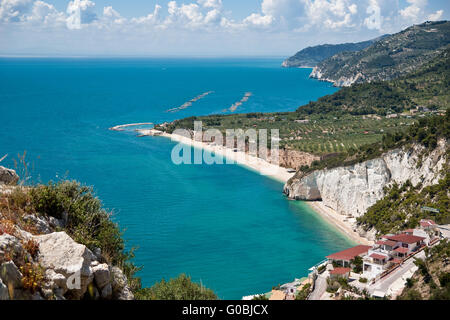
[229,228]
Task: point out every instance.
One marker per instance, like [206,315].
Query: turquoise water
[226,226]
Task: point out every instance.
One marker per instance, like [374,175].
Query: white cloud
[353,8]
[258,20]
[46,14]
[374,19]
[436,16]
[333,14]
[80,12]
[214,4]
[185,22]
[14,10]
[415,10]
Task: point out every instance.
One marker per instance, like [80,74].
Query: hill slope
[427,87]
[311,56]
[387,59]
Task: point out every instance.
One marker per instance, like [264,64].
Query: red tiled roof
[401,250]
[396,260]
[340,271]
[427,223]
[386,242]
[349,254]
[377,256]
[405,238]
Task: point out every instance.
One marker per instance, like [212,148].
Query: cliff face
[352,190]
[295,159]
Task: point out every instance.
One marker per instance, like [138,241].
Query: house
[410,242]
[340,272]
[430,227]
[427,224]
[379,258]
[391,250]
[344,258]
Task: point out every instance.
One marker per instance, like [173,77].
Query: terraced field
[317,134]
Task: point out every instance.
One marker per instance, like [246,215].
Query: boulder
[55,223]
[102,275]
[59,252]
[10,244]
[10,274]
[41,225]
[119,283]
[8,176]
[4,293]
[55,280]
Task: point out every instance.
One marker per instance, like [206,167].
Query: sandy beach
[338,221]
[238,157]
[270,170]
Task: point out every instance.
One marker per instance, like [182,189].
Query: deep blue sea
[225,226]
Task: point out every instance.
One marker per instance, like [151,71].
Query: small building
[430,226]
[343,258]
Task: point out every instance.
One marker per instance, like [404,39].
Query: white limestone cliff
[353,189]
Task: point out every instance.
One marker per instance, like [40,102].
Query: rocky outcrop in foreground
[40,261]
[68,270]
[352,190]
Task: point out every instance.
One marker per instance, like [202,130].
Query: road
[384,284]
[320,286]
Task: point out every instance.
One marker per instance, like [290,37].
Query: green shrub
[180,288]
[304,292]
[363,280]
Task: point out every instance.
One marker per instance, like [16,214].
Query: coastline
[238,157]
[337,220]
[276,172]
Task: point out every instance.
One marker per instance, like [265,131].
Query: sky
[200,27]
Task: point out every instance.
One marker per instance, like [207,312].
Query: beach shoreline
[278,173]
[338,221]
[244,159]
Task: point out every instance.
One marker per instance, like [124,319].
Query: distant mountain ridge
[311,56]
[387,59]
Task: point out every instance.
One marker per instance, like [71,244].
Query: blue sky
[200,27]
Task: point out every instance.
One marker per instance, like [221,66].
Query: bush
[304,292]
[363,280]
[180,288]
[87,222]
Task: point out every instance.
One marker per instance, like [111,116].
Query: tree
[357,262]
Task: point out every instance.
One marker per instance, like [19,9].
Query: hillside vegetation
[432,280]
[427,87]
[390,58]
[311,56]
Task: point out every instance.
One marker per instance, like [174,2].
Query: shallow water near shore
[226,226]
